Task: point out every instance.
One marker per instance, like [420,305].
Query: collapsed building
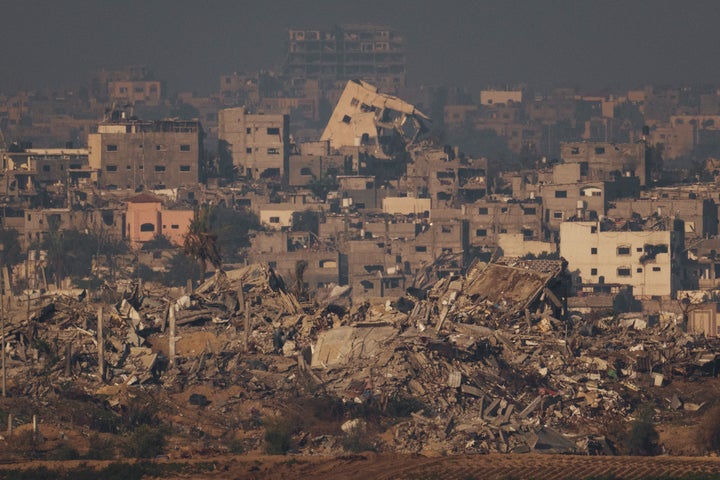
[380,125]
[489,361]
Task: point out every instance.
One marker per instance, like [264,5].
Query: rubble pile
[504,373]
[491,361]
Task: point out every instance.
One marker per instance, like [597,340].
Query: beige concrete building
[490,218]
[406,205]
[257,145]
[494,97]
[136,92]
[158,154]
[700,215]
[649,261]
[445,175]
[35,224]
[360,192]
[370,52]
[602,161]
[282,250]
[278,216]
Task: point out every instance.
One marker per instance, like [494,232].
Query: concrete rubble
[489,361]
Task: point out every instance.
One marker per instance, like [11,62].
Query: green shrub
[358,440]
[708,433]
[100,448]
[145,442]
[236,446]
[63,452]
[278,432]
[643,438]
[25,444]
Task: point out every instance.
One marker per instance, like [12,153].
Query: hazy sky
[591,44]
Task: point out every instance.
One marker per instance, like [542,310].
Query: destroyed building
[136,92]
[285,252]
[444,174]
[602,160]
[380,125]
[360,192]
[313,161]
[29,171]
[697,209]
[35,224]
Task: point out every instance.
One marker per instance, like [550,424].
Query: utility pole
[246,333]
[171,346]
[2,326]
[101,344]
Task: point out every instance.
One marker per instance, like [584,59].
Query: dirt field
[371,466]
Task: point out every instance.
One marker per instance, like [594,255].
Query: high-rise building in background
[366,52]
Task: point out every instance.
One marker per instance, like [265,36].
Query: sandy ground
[490,467]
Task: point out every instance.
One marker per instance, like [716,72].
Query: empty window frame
[624,272]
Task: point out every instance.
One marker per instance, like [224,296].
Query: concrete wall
[515,245]
[406,205]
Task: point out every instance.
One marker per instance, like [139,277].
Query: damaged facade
[379,124]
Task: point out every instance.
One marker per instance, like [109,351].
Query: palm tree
[200,243]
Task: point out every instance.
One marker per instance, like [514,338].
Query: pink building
[146,218]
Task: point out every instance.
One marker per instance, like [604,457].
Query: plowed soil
[462,467]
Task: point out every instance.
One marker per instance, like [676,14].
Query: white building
[277,216]
[646,260]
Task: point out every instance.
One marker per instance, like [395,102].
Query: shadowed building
[152,154]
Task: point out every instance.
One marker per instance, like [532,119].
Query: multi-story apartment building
[605,161]
[258,145]
[489,219]
[283,250]
[145,92]
[151,154]
[368,52]
[600,259]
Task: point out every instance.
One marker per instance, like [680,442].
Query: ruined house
[445,175]
[604,160]
[283,251]
[697,209]
[381,125]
